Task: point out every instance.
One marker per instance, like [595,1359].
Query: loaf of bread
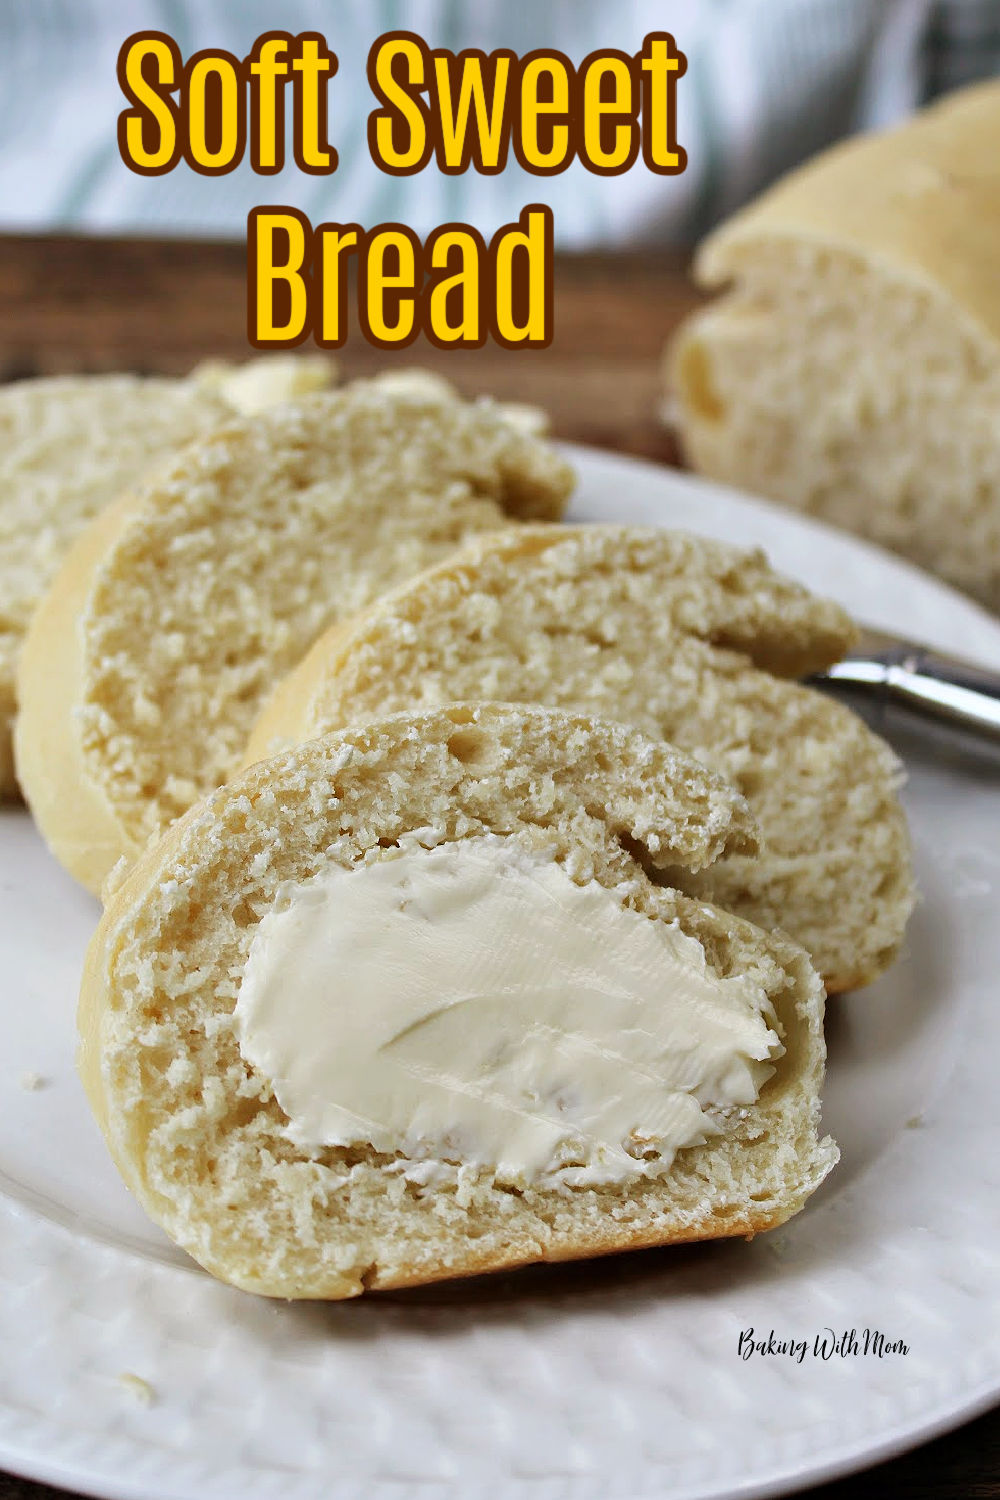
[682,637]
[72,444]
[592,809]
[186,601]
[852,366]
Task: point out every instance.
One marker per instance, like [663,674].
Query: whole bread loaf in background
[71,444]
[852,366]
[195,1125]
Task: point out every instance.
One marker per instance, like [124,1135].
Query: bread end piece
[82,829]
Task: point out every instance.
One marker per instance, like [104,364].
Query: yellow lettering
[524,279]
[660,65]
[333,323]
[488,129]
[266,228]
[464,282]
[595,108]
[534,158]
[150,106]
[396,98]
[379,281]
[225,118]
[314,154]
[299,282]
[267,69]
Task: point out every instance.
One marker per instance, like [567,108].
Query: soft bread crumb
[114,878]
[32,1082]
[682,637]
[413,381]
[851,367]
[177,614]
[808,409]
[68,446]
[198,1134]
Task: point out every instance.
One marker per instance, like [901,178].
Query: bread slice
[672,633]
[852,367]
[196,1130]
[70,445]
[182,606]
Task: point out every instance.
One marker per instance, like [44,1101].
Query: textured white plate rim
[781,1482]
[123,1467]
[713,503]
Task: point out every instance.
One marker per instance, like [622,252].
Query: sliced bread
[852,366]
[72,444]
[183,604]
[680,636]
[195,1124]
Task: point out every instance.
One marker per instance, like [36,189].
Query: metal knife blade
[917,685]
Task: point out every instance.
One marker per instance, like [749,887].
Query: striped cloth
[768,83]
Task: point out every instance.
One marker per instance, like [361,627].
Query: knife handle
[912,682]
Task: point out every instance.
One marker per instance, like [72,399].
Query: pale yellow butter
[471,1003]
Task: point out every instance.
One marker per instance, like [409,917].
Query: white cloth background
[768,82]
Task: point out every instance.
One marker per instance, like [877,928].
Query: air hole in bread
[471,747]
[750,782]
[642,857]
[244,915]
[592,637]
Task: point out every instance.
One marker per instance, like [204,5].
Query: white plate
[617,1380]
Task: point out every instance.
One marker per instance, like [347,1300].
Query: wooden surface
[74,305]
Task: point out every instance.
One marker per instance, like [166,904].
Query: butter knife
[914,686]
